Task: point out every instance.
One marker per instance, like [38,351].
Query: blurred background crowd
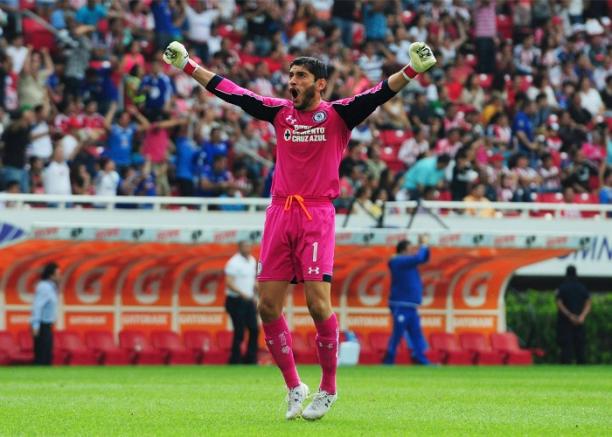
[518,109]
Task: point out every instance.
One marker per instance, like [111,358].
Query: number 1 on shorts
[315,247]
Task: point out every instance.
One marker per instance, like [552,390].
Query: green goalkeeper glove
[176,55]
[421,60]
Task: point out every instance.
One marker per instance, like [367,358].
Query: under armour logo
[424,52]
[286,350]
[312,270]
[291,120]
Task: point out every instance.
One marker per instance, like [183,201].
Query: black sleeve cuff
[387,89]
[212,84]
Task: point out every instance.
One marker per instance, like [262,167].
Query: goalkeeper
[299,232]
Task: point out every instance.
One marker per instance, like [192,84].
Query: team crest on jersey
[319,116]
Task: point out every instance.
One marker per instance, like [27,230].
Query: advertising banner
[114,285]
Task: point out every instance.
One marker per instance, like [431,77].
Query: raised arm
[262,108]
[354,110]
[421,60]
[405,261]
[143,122]
[108,119]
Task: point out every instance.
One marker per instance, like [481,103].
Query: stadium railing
[501,209]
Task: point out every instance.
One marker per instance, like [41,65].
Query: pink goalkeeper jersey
[310,144]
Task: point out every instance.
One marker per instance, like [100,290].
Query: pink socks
[278,340]
[327,347]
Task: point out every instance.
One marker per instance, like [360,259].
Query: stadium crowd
[519,107]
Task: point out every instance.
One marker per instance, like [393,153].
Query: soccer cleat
[321,403]
[295,399]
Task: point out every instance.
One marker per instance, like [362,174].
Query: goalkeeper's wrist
[408,72]
[190,67]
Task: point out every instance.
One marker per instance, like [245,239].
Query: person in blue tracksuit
[405,298]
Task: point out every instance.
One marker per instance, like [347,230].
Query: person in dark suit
[44,313]
[574,304]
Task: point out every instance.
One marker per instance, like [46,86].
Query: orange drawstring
[300,200]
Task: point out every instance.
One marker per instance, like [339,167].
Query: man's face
[124,119]
[220,164]
[303,87]
[57,275]
[245,249]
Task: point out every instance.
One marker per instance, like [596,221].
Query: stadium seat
[136,343]
[394,137]
[477,344]
[224,346]
[507,344]
[170,344]
[504,26]
[304,352]
[74,350]
[10,353]
[367,355]
[448,346]
[109,354]
[199,343]
[587,198]
[485,80]
[379,342]
[26,344]
[25,341]
[222,350]
[546,198]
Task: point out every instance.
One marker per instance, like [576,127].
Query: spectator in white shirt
[414,148]
[371,62]
[18,53]
[41,145]
[590,99]
[240,287]
[56,176]
[199,22]
[107,179]
[549,173]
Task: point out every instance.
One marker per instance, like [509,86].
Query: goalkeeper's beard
[307,98]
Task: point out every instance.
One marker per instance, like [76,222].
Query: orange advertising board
[151,286]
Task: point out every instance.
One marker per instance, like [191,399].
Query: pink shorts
[295,248]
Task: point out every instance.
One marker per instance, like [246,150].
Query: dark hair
[48,270]
[443,159]
[402,246]
[12,184]
[315,66]
[570,271]
[103,161]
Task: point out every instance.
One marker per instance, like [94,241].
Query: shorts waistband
[308,200]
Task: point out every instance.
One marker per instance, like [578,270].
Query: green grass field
[246,401]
